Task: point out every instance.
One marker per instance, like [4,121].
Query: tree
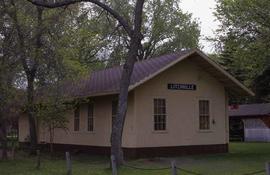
[51,104]
[165,28]
[51,112]
[261,85]
[28,56]
[8,70]
[243,38]
[133,29]
[6,102]
[34,37]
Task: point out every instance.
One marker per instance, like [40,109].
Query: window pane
[159,114]
[155,102]
[204,114]
[90,117]
[163,110]
[77,119]
[207,107]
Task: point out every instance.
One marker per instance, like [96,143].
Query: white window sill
[205,131]
[160,132]
[90,132]
[83,132]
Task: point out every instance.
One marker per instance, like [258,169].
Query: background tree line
[242,44]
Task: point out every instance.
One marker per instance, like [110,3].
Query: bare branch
[115,14]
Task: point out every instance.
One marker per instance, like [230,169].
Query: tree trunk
[51,139]
[118,125]
[3,138]
[31,77]
[31,117]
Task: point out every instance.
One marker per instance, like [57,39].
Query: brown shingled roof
[107,81]
[250,110]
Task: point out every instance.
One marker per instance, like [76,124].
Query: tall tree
[29,56]
[243,38]
[166,28]
[261,86]
[35,34]
[132,26]
[8,70]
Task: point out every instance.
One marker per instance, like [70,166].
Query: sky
[203,10]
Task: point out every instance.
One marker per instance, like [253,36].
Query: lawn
[243,158]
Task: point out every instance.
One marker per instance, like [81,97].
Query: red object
[235,106]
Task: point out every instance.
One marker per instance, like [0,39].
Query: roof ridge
[145,60]
[83,81]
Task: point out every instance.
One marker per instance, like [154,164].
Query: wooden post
[267,168]
[113,164]
[173,166]
[69,168]
[38,159]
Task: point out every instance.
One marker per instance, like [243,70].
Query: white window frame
[210,114]
[154,114]
[92,117]
[75,118]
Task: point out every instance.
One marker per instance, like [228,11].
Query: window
[77,119]
[90,117]
[204,114]
[114,109]
[159,114]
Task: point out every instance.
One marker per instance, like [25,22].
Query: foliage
[243,37]
[52,115]
[9,101]
[166,28]
[51,112]
[33,32]
[8,67]
[261,85]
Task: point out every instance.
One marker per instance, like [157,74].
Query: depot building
[177,104]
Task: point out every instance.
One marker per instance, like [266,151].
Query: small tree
[52,117]
[52,109]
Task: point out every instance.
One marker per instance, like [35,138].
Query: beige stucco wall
[182,114]
[23,126]
[182,108]
[102,125]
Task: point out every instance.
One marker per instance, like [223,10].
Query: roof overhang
[247,116]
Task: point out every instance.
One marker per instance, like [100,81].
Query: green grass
[243,158]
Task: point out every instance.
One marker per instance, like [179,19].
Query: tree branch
[115,14]
[13,15]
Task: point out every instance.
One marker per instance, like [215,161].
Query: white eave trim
[215,65]
[161,70]
[219,68]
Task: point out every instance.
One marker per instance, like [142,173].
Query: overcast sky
[203,11]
